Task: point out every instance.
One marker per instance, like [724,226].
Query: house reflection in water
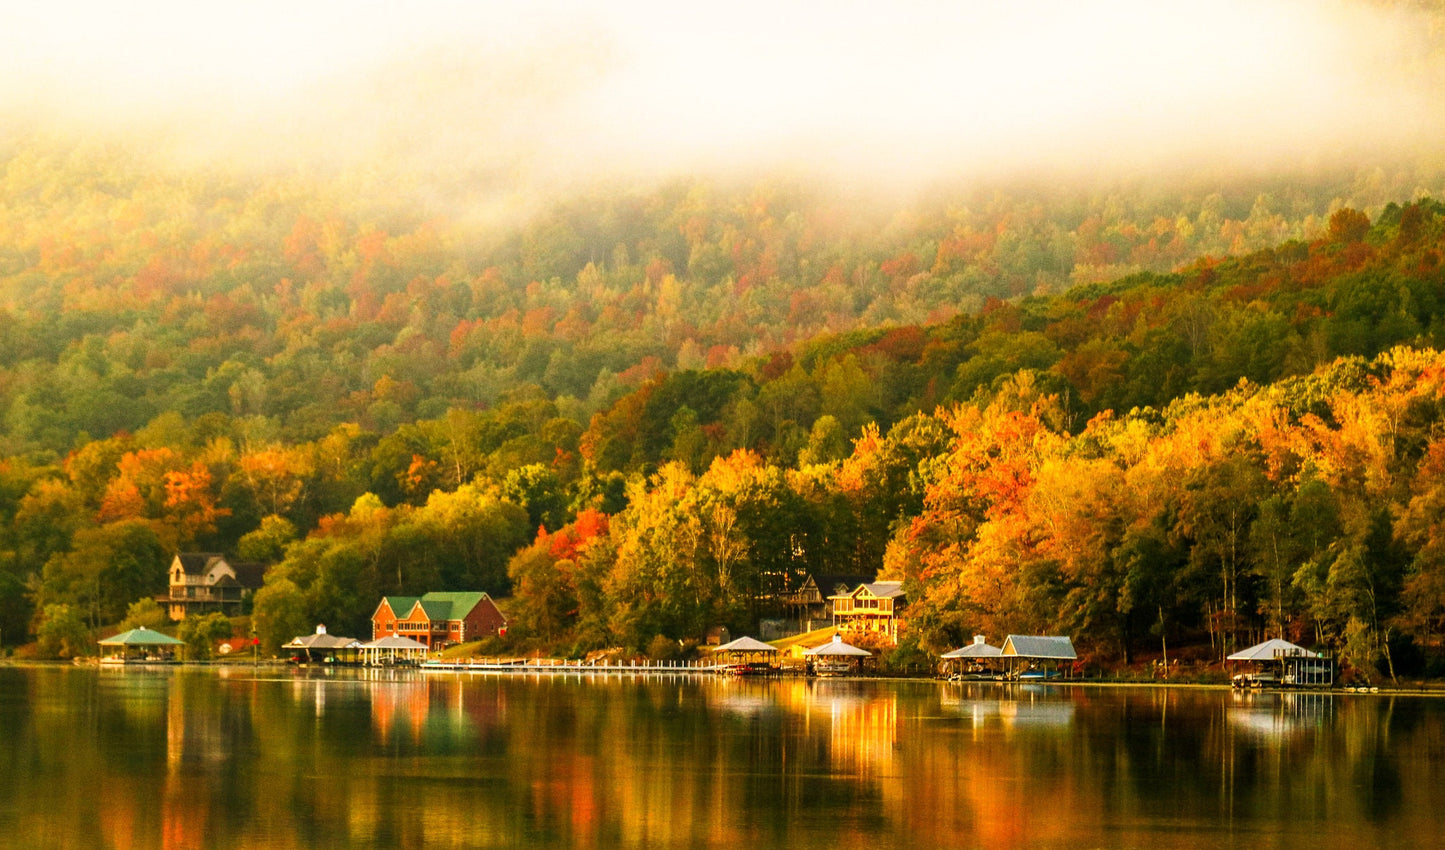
[200,747]
[863,724]
[1272,716]
[1016,707]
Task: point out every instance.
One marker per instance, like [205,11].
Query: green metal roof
[459,603]
[455,605]
[400,605]
[141,637]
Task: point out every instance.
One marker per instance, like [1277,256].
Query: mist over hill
[615,306]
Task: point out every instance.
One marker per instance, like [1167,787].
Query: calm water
[290,758]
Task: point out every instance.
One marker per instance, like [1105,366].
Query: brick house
[202,582]
[438,619]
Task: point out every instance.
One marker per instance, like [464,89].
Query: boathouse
[1036,656]
[327,646]
[974,658]
[393,649]
[1279,662]
[746,656]
[146,642]
[835,658]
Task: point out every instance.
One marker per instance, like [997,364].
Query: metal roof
[400,605]
[880,589]
[974,650]
[1272,649]
[836,647]
[437,605]
[321,641]
[436,610]
[745,644]
[1055,647]
[394,642]
[885,589]
[141,637]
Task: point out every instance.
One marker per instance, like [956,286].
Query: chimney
[978,640]
[320,629]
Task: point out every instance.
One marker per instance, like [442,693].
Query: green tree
[62,633]
[145,614]
[267,543]
[201,633]
[279,614]
[539,492]
[108,568]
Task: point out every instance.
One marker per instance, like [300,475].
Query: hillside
[382,400]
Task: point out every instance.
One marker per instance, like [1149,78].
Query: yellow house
[202,582]
[870,609]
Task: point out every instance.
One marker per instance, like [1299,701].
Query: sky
[551,93]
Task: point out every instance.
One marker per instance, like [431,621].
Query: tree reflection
[302,758]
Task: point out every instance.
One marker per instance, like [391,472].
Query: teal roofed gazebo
[142,639]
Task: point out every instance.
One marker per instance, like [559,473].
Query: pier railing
[569,665]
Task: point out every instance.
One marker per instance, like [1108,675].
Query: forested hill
[1138,342]
[378,402]
[294,304]
[1307,506]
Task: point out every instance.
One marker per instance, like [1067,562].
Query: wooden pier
[576,666]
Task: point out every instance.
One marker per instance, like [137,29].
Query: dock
[575,666]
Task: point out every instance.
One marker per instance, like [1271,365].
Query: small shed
[1036,656]
[142,639]
[389,649]
[1279,662]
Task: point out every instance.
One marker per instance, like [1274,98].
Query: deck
[579,666]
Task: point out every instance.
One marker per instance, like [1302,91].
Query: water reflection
[1274,716]
[1013,706]
[301,758]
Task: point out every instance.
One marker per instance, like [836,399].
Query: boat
[751,668]
[832,667]
[1038,675]
[1255,680]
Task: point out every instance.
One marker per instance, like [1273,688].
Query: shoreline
[1417,689]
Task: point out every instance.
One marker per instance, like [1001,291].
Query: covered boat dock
[1030,657]
[977,660]
[747,657]
[393,649]
[1281,663]
[146,641]
[332,648]
[835,658]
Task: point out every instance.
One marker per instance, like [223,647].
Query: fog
[522,97]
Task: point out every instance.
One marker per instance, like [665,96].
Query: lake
[280,757]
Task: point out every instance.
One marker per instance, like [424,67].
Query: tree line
[359,395]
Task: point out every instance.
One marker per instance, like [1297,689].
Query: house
[811,602]
[438,619]
[870,609]
[202,582]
